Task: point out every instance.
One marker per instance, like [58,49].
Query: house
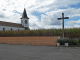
[6,26]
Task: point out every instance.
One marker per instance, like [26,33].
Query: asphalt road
[26,52]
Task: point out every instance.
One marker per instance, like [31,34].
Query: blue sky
[43,14]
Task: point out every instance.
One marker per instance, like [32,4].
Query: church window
[26,21]
[18,29]
[3,29]
[11,28]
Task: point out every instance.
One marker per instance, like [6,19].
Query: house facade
[6,26]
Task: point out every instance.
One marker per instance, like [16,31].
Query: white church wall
[7,28]
[24,24]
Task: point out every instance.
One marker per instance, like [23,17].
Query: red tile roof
[10,24]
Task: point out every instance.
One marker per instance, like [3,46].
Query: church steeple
[24,14]
[25,20]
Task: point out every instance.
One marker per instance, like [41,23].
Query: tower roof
[24,14]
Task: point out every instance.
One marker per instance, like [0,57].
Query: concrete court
[27,52]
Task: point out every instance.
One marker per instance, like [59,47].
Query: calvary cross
[63,23]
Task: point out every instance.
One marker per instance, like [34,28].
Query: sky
[43,14]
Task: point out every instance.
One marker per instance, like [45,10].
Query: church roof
[10,24]
[24,14]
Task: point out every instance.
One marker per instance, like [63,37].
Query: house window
[3,29]
[26,21]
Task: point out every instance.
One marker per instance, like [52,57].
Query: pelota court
[28,52]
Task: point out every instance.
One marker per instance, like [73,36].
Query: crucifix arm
[59,18]
[63,18]
[66,17]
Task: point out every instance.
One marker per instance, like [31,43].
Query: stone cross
[63,23]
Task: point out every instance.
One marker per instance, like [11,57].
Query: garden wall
[43,40]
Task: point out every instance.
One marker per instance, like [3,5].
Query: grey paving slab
[27,52]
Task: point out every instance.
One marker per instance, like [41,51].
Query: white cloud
[50,9]
[78,26]
[73,22]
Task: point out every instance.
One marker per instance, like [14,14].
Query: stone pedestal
[58,44]
[66,44]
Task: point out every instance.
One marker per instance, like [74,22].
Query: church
[7,26]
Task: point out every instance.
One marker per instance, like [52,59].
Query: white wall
[7,28]
[25,25]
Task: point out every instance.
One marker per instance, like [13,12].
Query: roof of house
[10,24]
[24,14]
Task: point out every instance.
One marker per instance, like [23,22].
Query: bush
[70,41]
[79,40]
[62,41]
[73,42]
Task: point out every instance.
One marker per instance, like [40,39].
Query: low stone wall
[44,40]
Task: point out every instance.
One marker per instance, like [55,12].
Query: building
[6,26]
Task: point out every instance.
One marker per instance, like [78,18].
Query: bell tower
[25,20]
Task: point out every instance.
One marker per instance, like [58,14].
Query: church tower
[25,20]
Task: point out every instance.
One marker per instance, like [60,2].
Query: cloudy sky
[43,14]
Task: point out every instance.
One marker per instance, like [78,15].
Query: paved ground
[25,52]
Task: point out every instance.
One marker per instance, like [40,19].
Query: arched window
[3,29]
[18,29]
[26,21]
[11,28]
